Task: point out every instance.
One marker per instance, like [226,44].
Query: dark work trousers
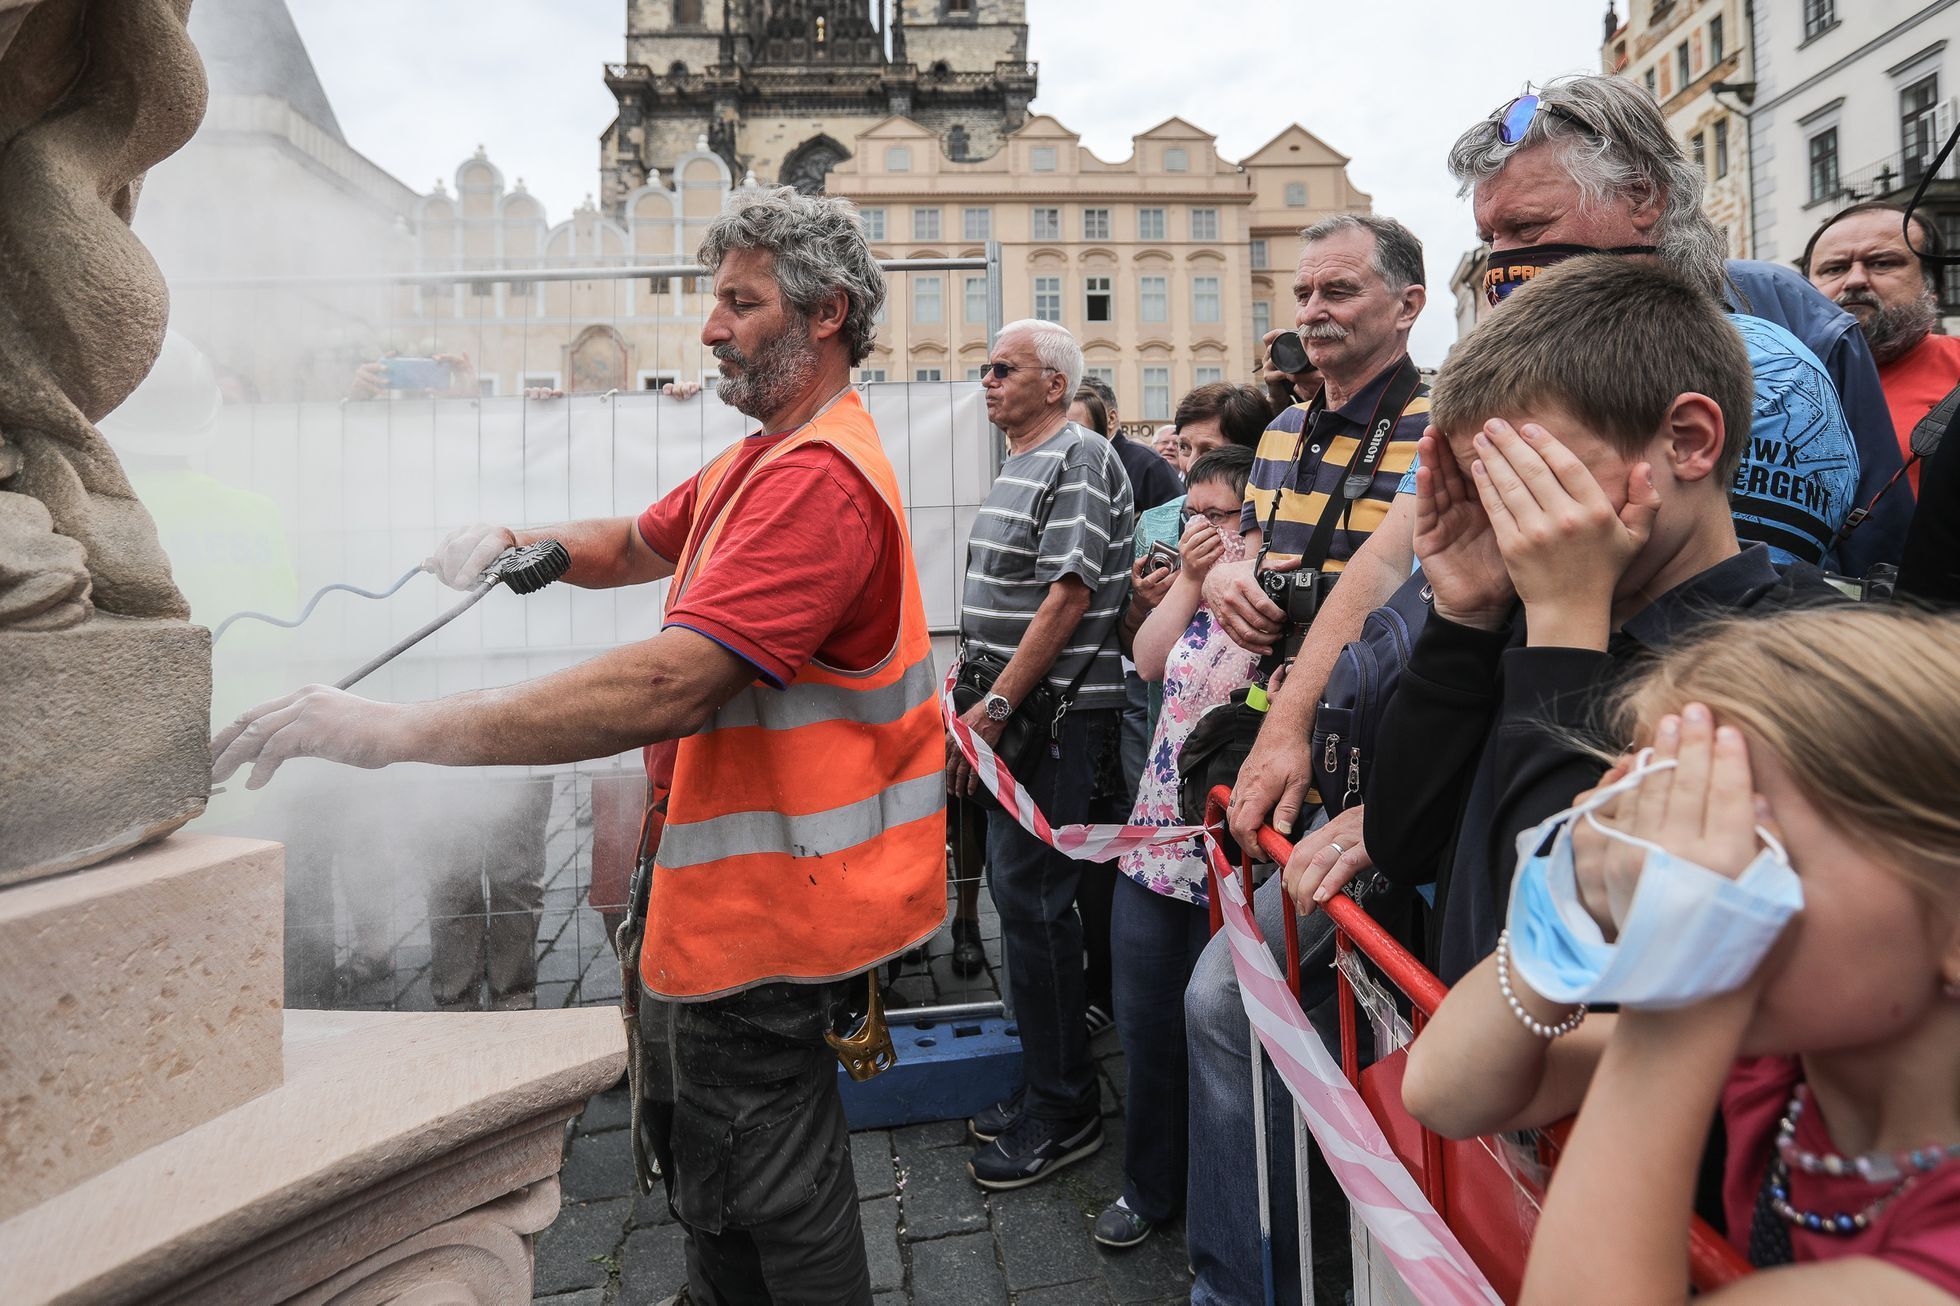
[1156,941]
[743,1114]
[1041,936]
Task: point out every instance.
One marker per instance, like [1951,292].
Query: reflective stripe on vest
[805,836]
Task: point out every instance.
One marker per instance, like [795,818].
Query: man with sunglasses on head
[1047,574]
[1588,165]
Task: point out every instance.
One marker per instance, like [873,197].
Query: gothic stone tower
[781,88]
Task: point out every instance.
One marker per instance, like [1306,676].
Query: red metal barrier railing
[1477,1195]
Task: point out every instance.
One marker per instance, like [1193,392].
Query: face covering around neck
[1506,270]
[1689,934]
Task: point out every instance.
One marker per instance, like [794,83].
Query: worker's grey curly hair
[818,247]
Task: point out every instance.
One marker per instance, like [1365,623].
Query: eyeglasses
[1514,119]
[1001,371]
[1225,519]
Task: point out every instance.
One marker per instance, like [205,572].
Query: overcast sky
[418,84]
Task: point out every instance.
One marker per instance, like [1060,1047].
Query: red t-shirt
[809,566]
[1916,381]
[1919,1232]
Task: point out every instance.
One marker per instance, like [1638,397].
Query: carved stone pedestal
[406,1157]
[107,739]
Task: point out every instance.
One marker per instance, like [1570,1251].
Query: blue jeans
[1041,936]
[1221,1226]
[1155,942]
[1133,743]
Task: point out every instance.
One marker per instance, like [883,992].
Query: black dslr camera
[1297,594]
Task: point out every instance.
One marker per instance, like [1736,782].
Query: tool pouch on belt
[632,933]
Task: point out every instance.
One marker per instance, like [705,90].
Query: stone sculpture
[104,686]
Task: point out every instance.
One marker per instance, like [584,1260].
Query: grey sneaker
[1119,1226]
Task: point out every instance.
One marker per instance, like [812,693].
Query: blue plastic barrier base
[946,1070]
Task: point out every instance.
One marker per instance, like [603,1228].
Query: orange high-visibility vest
[806,828]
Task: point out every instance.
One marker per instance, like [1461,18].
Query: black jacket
[1930,569]
[1475,746]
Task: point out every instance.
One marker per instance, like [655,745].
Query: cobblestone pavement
[932,1237]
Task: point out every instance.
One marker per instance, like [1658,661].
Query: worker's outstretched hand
[466,551]
[316,721]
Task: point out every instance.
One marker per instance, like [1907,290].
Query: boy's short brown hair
[1613,341]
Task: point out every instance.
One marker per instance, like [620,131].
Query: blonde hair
[1859,702]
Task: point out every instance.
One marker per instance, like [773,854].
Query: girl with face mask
[1834,1061]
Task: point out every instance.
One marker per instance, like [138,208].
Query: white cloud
[417,86]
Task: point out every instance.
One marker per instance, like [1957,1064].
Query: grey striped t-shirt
[1060,509]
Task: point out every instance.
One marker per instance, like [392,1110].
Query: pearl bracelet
[1525,1018]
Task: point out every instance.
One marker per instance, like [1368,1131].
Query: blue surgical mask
[1689,933]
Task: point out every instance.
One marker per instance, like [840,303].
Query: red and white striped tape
[1380,1188]
[1084,843]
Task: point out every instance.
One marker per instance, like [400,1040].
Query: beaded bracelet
[1525,1018]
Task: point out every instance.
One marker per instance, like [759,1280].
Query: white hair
[1054,347]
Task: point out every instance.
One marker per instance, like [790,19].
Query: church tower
[781,88]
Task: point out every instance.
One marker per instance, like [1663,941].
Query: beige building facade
[1164,265]
[1681,51]
[579,336]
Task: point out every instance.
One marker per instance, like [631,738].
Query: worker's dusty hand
[317,721]
[466,551]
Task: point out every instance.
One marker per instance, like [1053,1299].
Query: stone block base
[143,999]
[107,740]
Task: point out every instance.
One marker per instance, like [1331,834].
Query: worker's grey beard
[771,380]
[1894,329]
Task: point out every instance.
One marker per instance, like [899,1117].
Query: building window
[956,146]
[977,224]
[1652,92]
[1106,375]
[538,381]
[1095,224]
[1156,394]
[1204,299]
[927,374]
[1098,300]
[1259,253]
[925,224]
[1176,160]
[976,301]
[687,13]
[1700,147]
[1681,78]
[871,375]
[1262,319]
[926,300]
[959,8]
[1296,194]
[1204,224]
[873,222]
[898,158]
[1047,224]
[975,373]
[1048,298]
[1716,46]
[1819,17]
[1918,139]
[1207,375]
[1721,148]
[1150,224]
[1153,299]
[1823,165]
[1950,278]
[1042,158]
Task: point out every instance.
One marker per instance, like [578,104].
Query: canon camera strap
[1369,450]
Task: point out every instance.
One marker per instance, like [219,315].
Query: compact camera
[1297,594]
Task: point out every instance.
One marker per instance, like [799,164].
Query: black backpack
[1358,689]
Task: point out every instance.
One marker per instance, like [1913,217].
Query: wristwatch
[998,708]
